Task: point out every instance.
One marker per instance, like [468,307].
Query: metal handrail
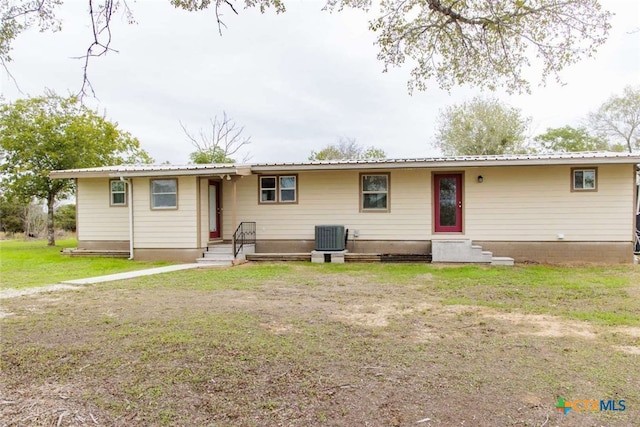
[245,234]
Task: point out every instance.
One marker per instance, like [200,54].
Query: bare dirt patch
[7,293]
[377,314]
[629,349]
[543,325]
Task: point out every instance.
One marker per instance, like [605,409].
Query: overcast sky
[295,81]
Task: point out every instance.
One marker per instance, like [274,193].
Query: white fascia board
[175,172]
[441,164]
[111,173]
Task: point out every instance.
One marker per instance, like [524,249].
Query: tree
[619,118]
[223,140]
[11,210]
[488,44]
[347,149]
[38,135]
[479,127]
[19,215]
[569,139]
[65,217]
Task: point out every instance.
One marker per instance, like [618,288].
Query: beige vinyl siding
[531,203]
[333,198]
[537,204]
[97,220]
[165,228]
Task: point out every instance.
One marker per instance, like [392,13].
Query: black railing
[245,235]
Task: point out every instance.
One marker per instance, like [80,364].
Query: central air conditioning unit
[330,238]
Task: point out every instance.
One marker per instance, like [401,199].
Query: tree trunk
[51,232]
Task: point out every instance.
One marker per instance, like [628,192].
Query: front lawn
[33,263]
[299,344]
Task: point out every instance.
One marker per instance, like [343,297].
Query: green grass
[33,263]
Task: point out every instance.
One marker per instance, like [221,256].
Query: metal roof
[580,158]
[153,170]
[594,157]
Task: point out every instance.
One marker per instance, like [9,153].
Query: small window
[278,189]
[164,194]
[584,179]
[287,189]
[375,192]
[268,189]
[118,196]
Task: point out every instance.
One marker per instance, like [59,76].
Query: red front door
[214,209]
[448,203]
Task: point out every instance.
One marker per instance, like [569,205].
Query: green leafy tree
[50,132]
[65,217]
[488,44]
[347,149]
[214,155]
[619,118]
[569,139]
[11,214]
[217,144]
[481,127]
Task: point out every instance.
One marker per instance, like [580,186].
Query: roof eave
[235,170]
[444,164]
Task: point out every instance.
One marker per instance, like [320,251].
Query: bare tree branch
[222,140]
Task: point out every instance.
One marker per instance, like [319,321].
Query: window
[164,194]
[118,193]
[268,189]
[287,189]
[279,189]
[584,179]
[375,192]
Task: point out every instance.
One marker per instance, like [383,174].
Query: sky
[296,81]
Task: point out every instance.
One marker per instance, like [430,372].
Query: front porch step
[213,262]
[502,260]
[221,254]
[464,251]
[218,255]
[221,248]
[79,252]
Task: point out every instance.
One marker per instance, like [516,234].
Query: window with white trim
[287,188]
[164,193]
[584,179]
[278,189]
[374,189]
[117,193]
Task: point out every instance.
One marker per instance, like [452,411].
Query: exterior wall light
[480,179]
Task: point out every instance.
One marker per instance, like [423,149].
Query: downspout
[234,217]
[128,183]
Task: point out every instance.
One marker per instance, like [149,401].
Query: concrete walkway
[75,284]
[130,274]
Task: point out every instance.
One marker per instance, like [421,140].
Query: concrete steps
[221,254]
[464,251]
[502,260]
